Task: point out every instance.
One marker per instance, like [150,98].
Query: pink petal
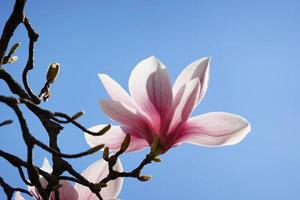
[115,91]
[114,138]
[184,102]
[150,87]
[95,173]
[198,69]
[18,196]
[215,129]
[127,116]
[120,112]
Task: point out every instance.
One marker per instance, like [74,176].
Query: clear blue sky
[255,49]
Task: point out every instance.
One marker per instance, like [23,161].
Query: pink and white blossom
[94,173]
[155,109]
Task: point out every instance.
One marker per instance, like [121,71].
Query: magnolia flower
[156,110]
[94,173]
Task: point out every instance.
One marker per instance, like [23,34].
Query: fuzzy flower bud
[106,153]
[125,143]
[52,72]
[145,178]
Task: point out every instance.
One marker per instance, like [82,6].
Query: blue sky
[255,48]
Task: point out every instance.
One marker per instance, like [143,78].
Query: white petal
[126,116]
[184,102]
[119,112]
[18,196]
[95,173]
[150,87]
[113,139]
[215,129]
[115,91]
[197,69]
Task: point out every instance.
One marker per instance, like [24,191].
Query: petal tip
[102,76]
[46,166]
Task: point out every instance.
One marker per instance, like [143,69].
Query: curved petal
[115,91]
[150,87]
[18,196]
[184,102]
[113,139]
[119,112]
[127,116]
[95,173]
[197,69]
[215,129]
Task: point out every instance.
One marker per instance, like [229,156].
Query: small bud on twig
[12,59]
[156,159]
[9,58]
[6,122]
[145,178]
[52,72]
[99,186]
[104,130]
[106,153]
[125,143]
[77,115]
[95,149]
[13,49]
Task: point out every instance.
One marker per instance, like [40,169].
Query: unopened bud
[125,143]
[13,49]
[145,178]
[104,130]
[95,149]
[6,122]
[12,59]
[100,185]
[156,159]
[52,72]
[77,115]
[106,153]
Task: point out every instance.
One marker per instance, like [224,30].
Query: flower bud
[6,122]
[100,185]
[156,159]
[106,153]
[145,178]
[95,149]
[52,72]
[125,143]
[77,115]
[13,49]
[104,130]
[12,59]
